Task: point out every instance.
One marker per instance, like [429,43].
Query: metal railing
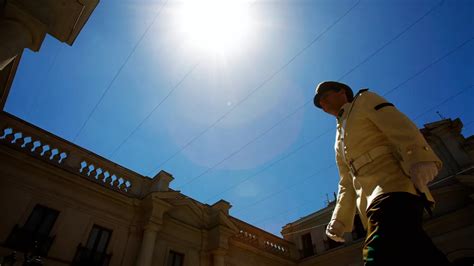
[88,257]
[27,241]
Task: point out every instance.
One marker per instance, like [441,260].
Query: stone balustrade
[45,146]
[104,176]
[33,145]
[263,240]
[275,247]
[247,237]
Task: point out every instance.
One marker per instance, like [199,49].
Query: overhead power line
[248,144]
[388,92]
[439,59]
[114,152]
[270,165]
[307,203]
[293,209]
[302,181]
[118,72]
[299,108]
[463,90]
[393,39]
[40,84]
[257,88]
[295,184]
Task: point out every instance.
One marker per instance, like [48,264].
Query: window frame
[92,256]
[172,255]
[307,251]
[34,235]
[44,212]
[98,238]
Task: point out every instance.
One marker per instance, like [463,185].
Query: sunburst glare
[220,27]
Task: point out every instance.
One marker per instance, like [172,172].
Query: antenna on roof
[440,115]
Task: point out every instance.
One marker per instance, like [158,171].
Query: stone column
[148,245]
[219,257]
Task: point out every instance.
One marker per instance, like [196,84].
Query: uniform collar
[342,111]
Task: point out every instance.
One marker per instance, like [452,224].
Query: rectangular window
[98,239]
[33,236]
[41,220]
[175,259]
[94,253]
[307,245]
[358,231]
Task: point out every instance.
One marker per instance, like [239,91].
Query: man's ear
[342,93]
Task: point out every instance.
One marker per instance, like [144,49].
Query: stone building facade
[73,207]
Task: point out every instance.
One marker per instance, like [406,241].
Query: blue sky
[238,123]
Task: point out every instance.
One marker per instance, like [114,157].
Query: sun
[214,26]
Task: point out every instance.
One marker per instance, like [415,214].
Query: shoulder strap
[360,92]
[355,98]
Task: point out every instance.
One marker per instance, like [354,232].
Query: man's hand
[423,172]
[335,231]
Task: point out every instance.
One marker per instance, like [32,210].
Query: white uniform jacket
[375,147]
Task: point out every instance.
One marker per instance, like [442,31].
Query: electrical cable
[257,88]
[309,101]
[318,172]
[118,73]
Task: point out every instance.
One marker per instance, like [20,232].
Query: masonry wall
[25,183]
[243,256]
[37,167]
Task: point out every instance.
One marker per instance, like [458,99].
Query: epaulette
[353,101]
[359,93]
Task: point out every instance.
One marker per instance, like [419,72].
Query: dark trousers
[395,235]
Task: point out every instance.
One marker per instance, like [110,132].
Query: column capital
[219,251]
[152,227]
[154,207]
[37,29]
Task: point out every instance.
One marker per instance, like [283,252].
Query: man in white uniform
[384,166]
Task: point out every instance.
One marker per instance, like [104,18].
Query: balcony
[29,242]
[88,257]
[264,241]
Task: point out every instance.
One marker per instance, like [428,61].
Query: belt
[368,157]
